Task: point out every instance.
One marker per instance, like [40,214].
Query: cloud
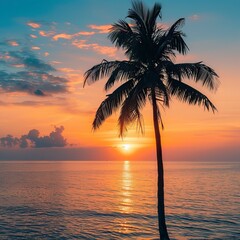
[41,24]
[39,92]
[71,36]
[109,51]
[9,141]
[62,35]
[33,36]
[194,17]
[34,24]
[35,48]
[81,44]
[34,78]
[46,33]
[84,33]
[13,43]
[35,83]
[29,60]
[34,140]
[18,65]
[66,70]
[27,103]
[100,28]
[106,50]
[163,25]
[55,62]
[10,42]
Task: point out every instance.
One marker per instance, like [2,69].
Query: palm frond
[124,36]
[162,93]
[177,43]
[111,103]
[125,70]
[138,14]
[153,14]
[98,71]
[196,71]
[121,34]
[130,110]
[189,94]
[171,40]
[178,24]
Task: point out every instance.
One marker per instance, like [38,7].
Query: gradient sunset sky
[45,48]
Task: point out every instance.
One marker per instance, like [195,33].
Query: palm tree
[149,74]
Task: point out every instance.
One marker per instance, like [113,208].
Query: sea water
[117,200]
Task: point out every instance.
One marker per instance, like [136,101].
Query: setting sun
[126,148]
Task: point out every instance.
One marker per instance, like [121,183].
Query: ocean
[117,200]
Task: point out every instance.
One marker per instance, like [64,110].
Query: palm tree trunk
[161,211]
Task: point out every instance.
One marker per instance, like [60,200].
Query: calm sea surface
[117,200]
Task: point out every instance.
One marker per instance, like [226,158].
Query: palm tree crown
[150,70]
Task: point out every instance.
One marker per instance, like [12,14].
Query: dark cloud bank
[34,77]
[34,140]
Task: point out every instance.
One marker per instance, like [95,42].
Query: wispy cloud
[84,33]
[106,50]
[71,36]
[12,43]
[35,48]
[33,36]
[100,28]
[194,17]
[163,25]
[40,23]
[66,70]
[46,33]
[74,38]
[34,24]
[81,44]
[63,36]
[55,62]
[18,65]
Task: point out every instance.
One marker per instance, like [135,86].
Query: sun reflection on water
[126,201]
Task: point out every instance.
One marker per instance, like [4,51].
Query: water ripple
[117,201]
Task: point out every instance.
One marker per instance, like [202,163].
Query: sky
[46,114]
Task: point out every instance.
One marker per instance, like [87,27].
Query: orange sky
[73,47]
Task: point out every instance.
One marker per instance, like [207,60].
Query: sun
[126,147]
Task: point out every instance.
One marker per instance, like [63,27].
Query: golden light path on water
[126,188]
[126,195]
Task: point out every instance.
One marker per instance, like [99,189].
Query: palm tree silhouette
[149,74]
